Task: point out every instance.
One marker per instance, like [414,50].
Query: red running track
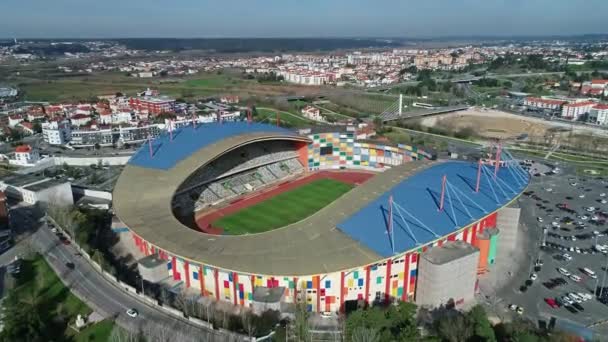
[205,222]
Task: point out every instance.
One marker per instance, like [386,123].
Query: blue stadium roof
[419,221]
[187,140]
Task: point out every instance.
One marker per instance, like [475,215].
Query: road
[102,295]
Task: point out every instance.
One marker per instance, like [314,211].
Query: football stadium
[253,213]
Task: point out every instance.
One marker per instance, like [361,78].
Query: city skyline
[274,19]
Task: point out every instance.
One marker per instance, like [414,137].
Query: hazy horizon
[113,19]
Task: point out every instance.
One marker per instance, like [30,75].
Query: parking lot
[565,217]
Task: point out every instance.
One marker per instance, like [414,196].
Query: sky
[299,18]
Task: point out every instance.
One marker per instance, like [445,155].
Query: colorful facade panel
[338,150]
[393,278]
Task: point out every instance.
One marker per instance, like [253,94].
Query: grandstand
[364,245]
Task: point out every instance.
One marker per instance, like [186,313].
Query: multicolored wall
[340,150]
[389,279]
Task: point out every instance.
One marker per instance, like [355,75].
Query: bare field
[502,125]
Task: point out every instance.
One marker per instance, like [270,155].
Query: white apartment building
[32,190]
[92,137]
[540,103]
[115,118]
[575,110]
[56,132]
[25,155]
[599,114]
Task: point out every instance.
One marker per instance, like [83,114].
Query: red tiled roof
[23,148]
[28,125]
[599,81]
[80,116]
[580,104]
[601,106]
[547,101]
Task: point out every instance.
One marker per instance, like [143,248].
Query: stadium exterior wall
[388,279]
[393,278]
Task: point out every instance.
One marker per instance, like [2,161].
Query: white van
[590,273]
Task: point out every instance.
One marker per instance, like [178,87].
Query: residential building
[138,134]
[89,137]
[26,127]
[313,113]
[56,132]
[14,120]
[540,103]
[599,114]
[232,99]
[80,119]
[25,155]
[33,190]
[575,110]
[153,105]
[115,118]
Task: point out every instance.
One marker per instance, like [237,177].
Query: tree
[362,334]
[15,135]
[453,327]
[302,331]
[481,325]
[248,319]
[119,334]
[37,127]
[395,322]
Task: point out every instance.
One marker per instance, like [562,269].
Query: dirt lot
[502,125]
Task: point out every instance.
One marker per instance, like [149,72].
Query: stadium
[248,212]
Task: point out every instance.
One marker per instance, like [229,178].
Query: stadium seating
[242,159]
[238,172]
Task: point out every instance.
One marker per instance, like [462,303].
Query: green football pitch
[283,209]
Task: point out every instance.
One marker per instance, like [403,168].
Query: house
[25,155]
[80,119]
[27,127]
[84,109]
[14,120]
[36,115]
[313,113]
[229,99]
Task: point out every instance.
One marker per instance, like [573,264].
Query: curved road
[105,297]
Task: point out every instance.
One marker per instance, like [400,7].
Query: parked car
[551,302]
[132,313]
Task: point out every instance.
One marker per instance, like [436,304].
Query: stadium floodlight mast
[478,176]
[390,222]
[150,146]
[193,120]
[443,180]
[497,161]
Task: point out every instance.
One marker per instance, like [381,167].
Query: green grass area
[214,81]
[41,303]
[99,332]
[268,115]
[283,209]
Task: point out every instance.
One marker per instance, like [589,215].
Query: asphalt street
[102,295]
